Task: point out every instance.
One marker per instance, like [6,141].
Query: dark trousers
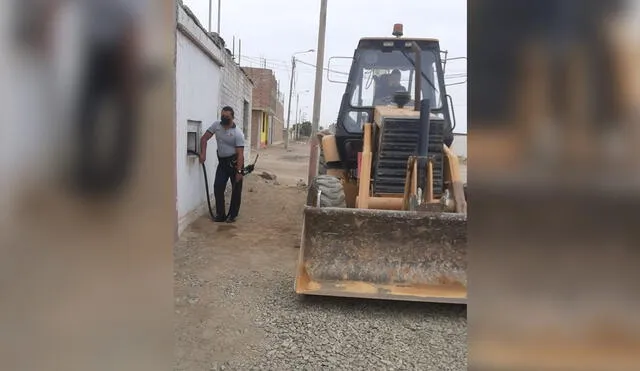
[224,172]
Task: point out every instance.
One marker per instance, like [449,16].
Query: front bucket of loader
[382,254]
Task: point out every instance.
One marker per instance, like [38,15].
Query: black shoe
[231,219]
[219,219]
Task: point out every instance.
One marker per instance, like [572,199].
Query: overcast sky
[275,29]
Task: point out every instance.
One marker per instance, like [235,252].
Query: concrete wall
[198,79]
[256,121]
[236,90]
[459,145]
[279,123]
[207,79]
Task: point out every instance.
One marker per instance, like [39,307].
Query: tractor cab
[383,75]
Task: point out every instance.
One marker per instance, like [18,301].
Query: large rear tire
[331,192]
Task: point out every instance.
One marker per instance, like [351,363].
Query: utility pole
[297,125]
[219,7]
[210,9]
[286,131]
[297,122]
[293,74]
[317,95]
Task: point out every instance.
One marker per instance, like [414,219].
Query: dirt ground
[236,308]
[265,236]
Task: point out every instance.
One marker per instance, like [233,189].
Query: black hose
[245,171]
[206,184]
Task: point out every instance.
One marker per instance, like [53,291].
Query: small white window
[193,136]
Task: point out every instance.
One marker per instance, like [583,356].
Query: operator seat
[381,89]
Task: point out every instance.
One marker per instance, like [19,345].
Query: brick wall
[236,90]
[265,99]
[255,128]
[278,123]
[280,111]
[265,89]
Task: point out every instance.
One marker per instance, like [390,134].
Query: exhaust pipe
[418,84]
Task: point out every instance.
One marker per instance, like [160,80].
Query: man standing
[387,86]
[230,140]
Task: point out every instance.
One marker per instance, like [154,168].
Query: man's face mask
[225,120]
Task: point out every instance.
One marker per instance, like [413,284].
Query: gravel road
[236,308]
[316,333]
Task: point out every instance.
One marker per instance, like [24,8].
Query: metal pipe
[418,92]
[423,143]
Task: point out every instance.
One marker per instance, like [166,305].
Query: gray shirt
[228,139]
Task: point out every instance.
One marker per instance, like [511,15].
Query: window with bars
[193,136]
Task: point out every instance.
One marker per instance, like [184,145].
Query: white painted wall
[198,81]
[207,78]
[459,145]
[198,98]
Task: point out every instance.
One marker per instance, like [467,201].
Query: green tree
[303,128]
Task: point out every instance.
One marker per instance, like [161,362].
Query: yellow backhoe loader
[386,215]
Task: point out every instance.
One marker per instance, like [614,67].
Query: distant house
[267,123]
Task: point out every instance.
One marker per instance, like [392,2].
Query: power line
[280,64]
[262,64]
[284,67]
[286,64]
[325,69]
[455,75]
[275,62]
[457,83]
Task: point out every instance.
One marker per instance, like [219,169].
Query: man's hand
[203,145]
[238,177]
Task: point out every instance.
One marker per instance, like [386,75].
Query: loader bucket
[382,254]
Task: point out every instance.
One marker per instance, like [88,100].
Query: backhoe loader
[386,216]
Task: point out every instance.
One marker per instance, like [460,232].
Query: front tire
[331,192]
